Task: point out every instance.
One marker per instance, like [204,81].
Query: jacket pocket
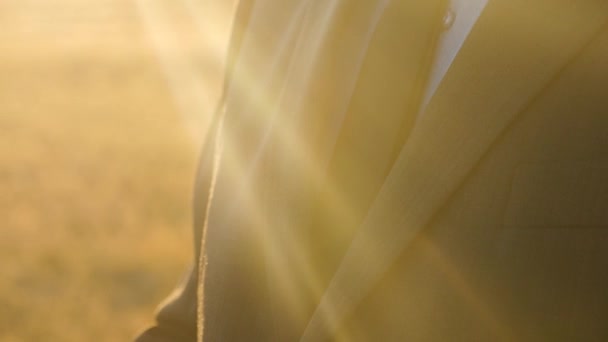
[559,195]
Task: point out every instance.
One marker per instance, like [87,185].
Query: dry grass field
[101,118]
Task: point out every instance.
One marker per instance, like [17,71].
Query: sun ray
[194,90]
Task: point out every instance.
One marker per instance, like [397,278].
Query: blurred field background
[103,107]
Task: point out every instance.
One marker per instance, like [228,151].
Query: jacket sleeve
[176,321]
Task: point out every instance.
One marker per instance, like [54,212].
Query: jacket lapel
[516,49]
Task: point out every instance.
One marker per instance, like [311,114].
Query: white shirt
[458,22]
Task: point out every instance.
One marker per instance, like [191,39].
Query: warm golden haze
[97,159]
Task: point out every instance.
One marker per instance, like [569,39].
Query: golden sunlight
[103,107]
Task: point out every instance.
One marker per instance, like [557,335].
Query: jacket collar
[515,51]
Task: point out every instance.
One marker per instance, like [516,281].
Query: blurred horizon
[103,108]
